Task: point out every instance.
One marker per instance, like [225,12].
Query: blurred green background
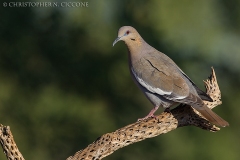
[62,84]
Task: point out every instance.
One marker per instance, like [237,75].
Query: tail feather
[212,117]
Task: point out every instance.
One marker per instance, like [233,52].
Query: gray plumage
[160,79]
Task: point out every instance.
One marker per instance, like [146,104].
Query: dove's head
[129,35]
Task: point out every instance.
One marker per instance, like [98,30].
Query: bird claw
[150,114]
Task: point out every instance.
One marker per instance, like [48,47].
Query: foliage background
[63,85]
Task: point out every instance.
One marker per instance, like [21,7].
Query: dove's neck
[138,49]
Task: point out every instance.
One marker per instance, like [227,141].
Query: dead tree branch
[9,146]
[183,115]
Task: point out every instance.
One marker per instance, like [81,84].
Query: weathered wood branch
[8,144]
[183,115]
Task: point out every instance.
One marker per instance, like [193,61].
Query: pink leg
[150,114]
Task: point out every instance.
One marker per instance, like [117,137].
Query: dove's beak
[116,40]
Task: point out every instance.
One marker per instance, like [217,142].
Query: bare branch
[183,115]
[9,146]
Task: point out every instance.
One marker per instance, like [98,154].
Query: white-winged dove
[160,79]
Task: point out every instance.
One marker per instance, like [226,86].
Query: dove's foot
[150,114]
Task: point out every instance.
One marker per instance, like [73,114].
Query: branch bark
[8,144]
[181,116]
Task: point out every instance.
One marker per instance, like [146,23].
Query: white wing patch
[149,87]
[180,97]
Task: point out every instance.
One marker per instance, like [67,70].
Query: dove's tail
[211,116]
